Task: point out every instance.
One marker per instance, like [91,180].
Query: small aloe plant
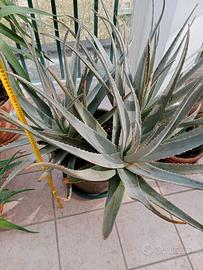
[6,195]
[149,114]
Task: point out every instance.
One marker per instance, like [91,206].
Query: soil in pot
[5,105]
[93,189]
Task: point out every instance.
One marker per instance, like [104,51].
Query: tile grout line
[56,233]
[59,218]
[172,193]
[24,173]
[184,247]
[179,192]
[176,229]
[179,236]
[157,184]
[57,244]
[88,211]
[162,261]
[72,215]
[94,210]
[119,239]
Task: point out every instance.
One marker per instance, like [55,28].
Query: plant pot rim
[184,160]
[89,189]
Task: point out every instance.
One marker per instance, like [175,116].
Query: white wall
[176,12]
[183,8]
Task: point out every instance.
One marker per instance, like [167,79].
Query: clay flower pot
[181,160]
[191,156]
[7,137]
[200,111]
[1,209]
[199,155]
[88,189]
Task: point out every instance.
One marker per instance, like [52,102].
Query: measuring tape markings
[20,115]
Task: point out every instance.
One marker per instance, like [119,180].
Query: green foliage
[148,116]
[7,195]
[13,16]
[5,224]
[6,165]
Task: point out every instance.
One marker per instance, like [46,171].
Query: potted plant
[10,15]
[146,123]
[7,195]
[5,105]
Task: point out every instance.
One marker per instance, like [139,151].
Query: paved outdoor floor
[71,238]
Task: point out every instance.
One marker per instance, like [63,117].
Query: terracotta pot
[87,189]
[200,112]
[184,160]
[90,189]
[1,209]
[6,137]
[191,160]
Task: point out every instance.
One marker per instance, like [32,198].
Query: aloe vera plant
[6,195]
[149,115]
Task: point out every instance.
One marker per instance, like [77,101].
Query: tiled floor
[71,238]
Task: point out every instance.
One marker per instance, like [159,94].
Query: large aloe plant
[149,115]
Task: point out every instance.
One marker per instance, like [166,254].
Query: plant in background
[146,123]
[6,195]
[11,19]
[10,14]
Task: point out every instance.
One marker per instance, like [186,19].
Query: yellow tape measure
[20,114]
